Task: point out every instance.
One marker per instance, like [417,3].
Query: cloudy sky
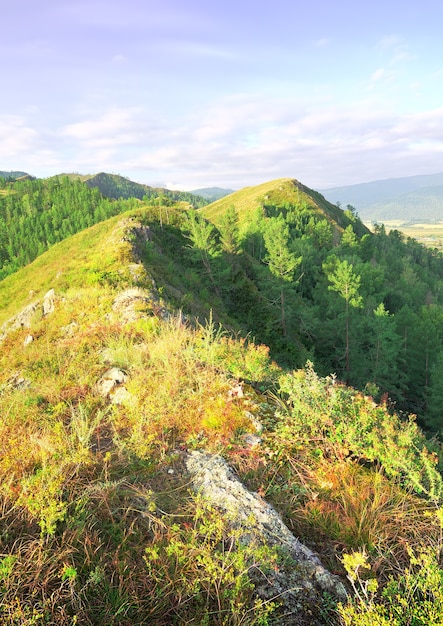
[197,93]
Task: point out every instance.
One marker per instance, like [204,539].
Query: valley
[430,235]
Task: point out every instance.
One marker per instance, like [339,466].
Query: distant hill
[412,198]
[212,193]
[281,192]
[119,187]
[12,174]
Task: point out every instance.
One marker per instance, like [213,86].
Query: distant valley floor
[428,234]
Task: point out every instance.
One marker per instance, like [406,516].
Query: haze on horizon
[193,94]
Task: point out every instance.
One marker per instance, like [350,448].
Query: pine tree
[346,283]
[282,262]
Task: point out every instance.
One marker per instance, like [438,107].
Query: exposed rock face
[128,303]
[28,339]
[17,381]
[132,304]
[48,305]
[300,586]
[23,319]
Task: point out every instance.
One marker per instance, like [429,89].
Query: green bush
[331,420]
[415,598]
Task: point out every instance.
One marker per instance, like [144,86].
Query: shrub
[331,420]
[201,569]
[414,598]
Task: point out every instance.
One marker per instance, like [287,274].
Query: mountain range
[411,199]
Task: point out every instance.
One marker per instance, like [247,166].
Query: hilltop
[119,187]
[277,193]
[178,441]
[36,213]
[12,174]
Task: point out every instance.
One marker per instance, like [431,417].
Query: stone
[110,379]
[236,392]
[251,440]
[18,382]
[48,305]
[299,587]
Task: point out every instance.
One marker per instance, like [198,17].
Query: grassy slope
[277,192]
[67,263]
[97,519]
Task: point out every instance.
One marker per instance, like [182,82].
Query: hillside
[411,199]
[36,213]
[120,187]
[12,174]
[276,193]
[124,416]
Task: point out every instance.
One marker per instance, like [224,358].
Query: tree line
[365,306]
[37,213]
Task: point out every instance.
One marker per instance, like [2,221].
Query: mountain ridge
[278,192]
[158,466]
[409,198]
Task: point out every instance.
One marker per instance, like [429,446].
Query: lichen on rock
[303,581]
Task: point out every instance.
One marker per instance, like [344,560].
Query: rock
[129,303]
[236,392]
[69,330]
[251,440]
[23,319]
[256,423]
[28,339]
[299,587]
[132,303]
[48,305]
[18,382]
[110,379]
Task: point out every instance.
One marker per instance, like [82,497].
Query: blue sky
[193,93]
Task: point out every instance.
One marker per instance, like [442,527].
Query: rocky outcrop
[111,386]
[133,303]
[299,586]
[21,320]
[48,305]
[24,318]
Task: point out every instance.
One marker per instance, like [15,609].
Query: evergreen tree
[230,232]
[344,281]
[203,237]
[282,262]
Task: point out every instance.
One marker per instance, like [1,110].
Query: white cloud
[18,139]
[237,141]
[115,127]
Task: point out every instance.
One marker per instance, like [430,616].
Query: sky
[199,93]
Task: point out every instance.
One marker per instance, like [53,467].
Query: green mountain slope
[420,205]
[116,187]
[36,213]
[12,174]
[108,387]
[276,193]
